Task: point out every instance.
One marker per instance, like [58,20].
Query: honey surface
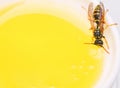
[44,51]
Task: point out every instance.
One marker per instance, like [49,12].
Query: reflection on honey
[43,51]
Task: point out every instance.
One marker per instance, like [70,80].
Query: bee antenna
[105,49]
[101,46]
[89,43]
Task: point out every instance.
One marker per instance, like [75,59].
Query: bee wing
[103,19]
[102,27]
[90,15]
[102,12]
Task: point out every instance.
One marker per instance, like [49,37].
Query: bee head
[98,42]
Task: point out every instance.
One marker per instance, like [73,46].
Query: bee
[97,20]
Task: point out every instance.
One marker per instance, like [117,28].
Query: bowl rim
[116,69]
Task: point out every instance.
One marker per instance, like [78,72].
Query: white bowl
[73,7]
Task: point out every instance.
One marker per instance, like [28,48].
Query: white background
[114,12]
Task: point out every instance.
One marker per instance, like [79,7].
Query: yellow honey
[44,51]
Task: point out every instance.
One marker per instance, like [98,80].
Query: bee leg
[92,24]
[106,42]
[104,20]
[108,25]
[105,49]
[92,28]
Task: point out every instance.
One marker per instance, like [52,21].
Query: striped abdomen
[97,14]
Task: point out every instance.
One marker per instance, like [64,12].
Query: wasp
[96,17]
